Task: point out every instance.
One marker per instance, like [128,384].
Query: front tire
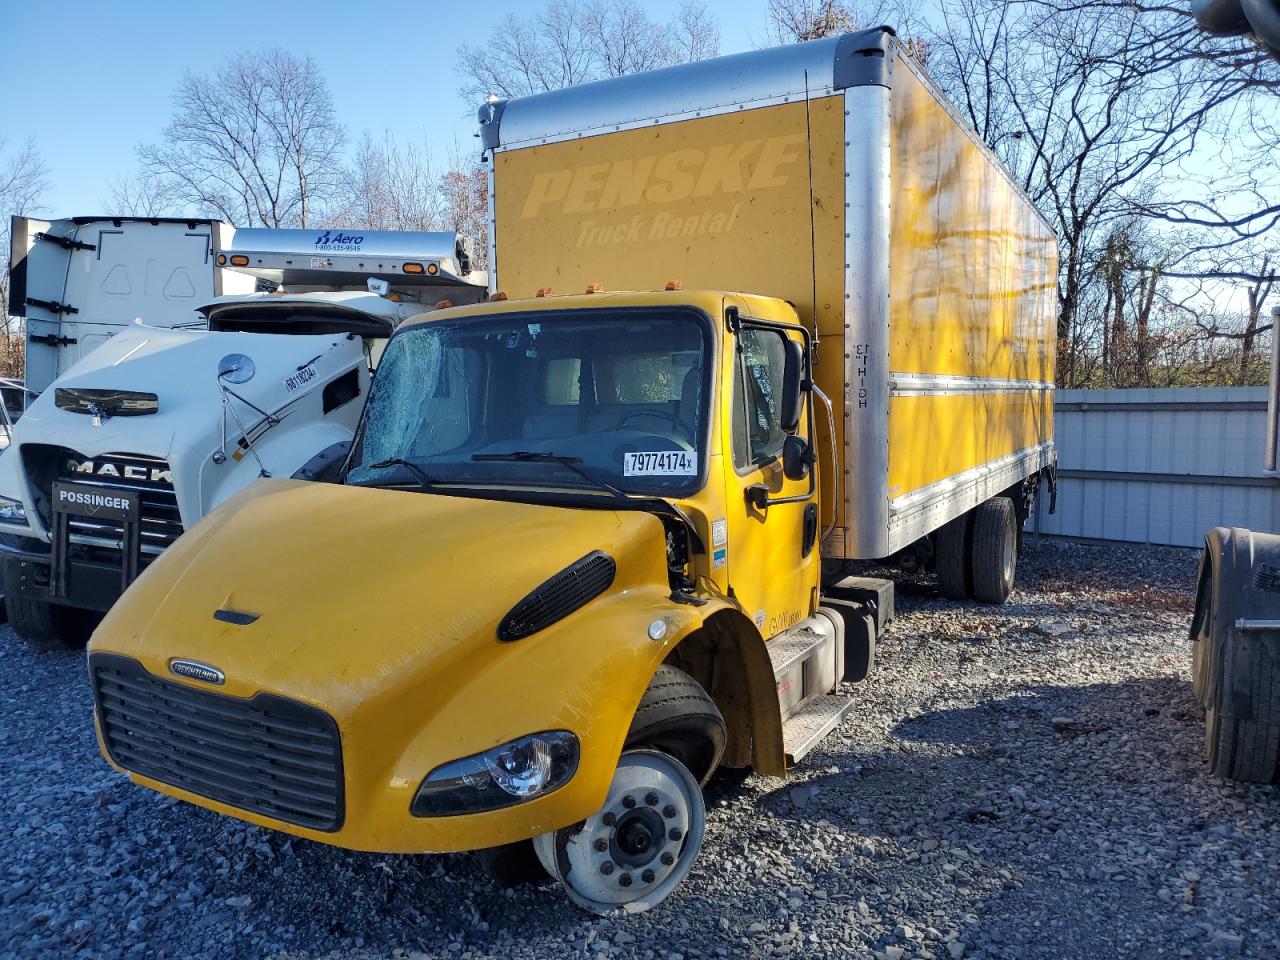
[635,851]
[50,626]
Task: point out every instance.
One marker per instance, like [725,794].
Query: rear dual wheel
[976,554]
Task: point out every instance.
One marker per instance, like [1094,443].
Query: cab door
[771,549]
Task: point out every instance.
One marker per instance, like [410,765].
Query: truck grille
[270,755]
[161,522]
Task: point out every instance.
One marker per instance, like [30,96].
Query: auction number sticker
[295,382]
[664,463]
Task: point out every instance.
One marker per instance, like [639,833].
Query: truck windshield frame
[607,387]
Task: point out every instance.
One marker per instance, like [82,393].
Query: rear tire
[951,557]
[994,550]
[50,626]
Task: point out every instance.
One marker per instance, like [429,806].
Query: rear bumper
[91,584]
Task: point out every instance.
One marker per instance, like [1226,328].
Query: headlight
[12,511]
[513,772]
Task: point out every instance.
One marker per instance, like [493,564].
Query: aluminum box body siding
[972,316]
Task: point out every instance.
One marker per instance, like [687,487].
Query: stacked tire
[1235,652]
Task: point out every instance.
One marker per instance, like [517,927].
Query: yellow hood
[359,593]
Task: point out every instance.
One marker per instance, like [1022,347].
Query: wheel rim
[632,853]
[1009,557]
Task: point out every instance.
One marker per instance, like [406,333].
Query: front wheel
[49,626]
[630,855]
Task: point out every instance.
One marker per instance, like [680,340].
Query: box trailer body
[573,561]
[78,280]
[832,175]
[175,418]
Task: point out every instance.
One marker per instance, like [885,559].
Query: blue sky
[90,80]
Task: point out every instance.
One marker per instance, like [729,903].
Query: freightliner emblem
[127,471]
[195,670]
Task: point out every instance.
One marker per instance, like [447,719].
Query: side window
[757,429]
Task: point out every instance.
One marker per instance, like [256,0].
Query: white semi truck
[138,438]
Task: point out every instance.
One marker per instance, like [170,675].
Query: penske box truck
[752,318]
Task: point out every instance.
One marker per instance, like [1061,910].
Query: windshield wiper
[654,505]
[573,463]
[424,479]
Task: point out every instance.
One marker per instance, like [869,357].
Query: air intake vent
[573,587]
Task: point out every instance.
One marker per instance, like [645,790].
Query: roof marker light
[497,297]
[443,304]
[544,291]
[674,285]
[594,288]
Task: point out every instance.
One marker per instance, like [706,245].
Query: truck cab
[159,424]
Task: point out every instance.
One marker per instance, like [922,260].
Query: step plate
[805,728]
[788,649]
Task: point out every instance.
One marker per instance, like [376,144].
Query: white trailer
[78,280]
[148,432]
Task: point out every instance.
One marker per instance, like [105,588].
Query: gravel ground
[1016,782]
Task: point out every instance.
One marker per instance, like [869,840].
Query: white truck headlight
[12,511]
[510,773]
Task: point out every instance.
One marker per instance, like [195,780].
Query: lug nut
[606,868]
[628,801]
[609,819]
[675,833]
[651,799]
[668,811]
[602,844]
[668,858]
[647,876]
[625,880]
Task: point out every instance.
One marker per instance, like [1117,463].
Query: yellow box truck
[752,317]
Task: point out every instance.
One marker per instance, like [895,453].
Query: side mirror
[797,457]
[792,377]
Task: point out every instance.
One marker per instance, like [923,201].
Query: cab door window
[757,416]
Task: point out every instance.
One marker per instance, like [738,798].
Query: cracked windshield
[612,402]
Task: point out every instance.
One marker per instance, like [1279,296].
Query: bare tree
[24,178]
[793,21]
[390,186]
[569,42]
[1095,108]
[465,190]
[144,194]
[256,143]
